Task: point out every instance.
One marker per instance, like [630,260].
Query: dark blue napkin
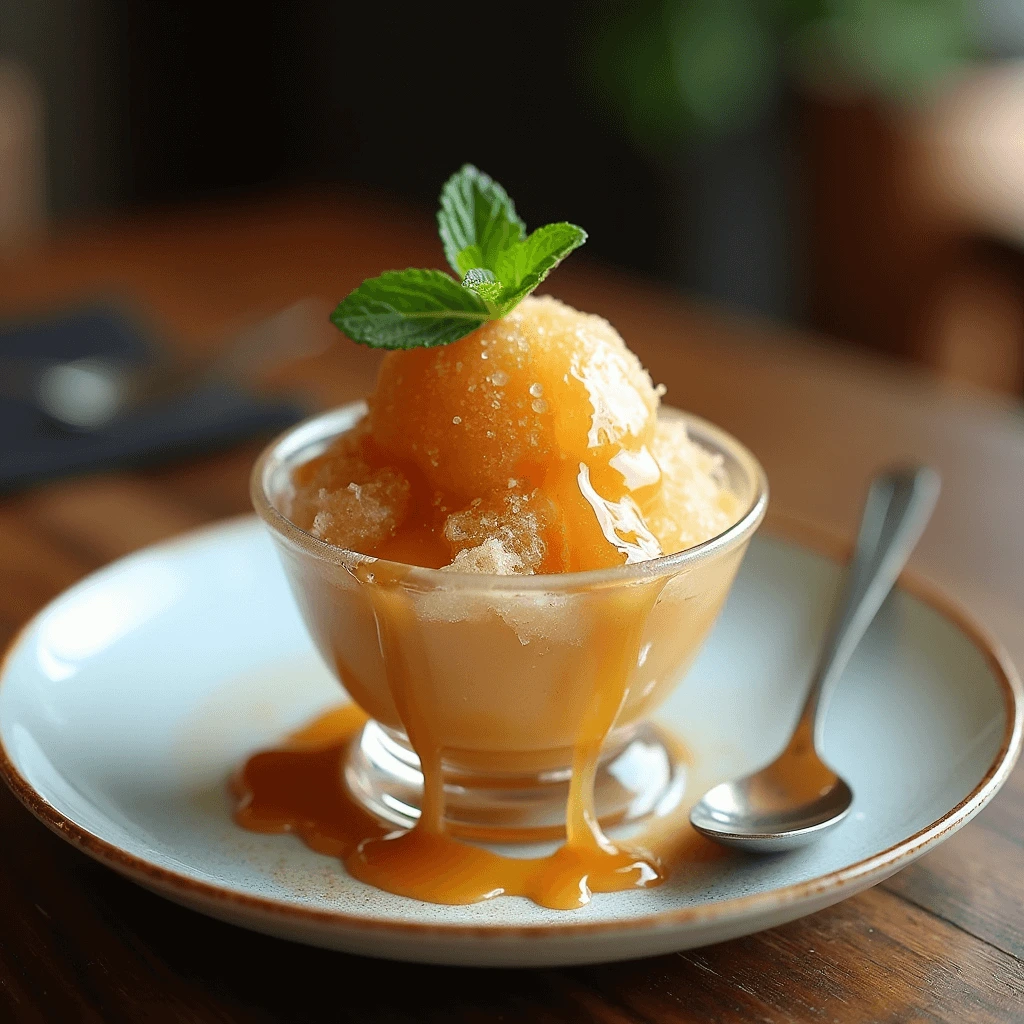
[34,448]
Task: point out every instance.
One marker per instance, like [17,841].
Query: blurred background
[855,166]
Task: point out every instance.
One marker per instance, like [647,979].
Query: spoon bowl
[752,814]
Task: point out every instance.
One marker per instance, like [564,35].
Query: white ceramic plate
[126,702]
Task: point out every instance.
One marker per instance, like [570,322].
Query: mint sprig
[477,220]
[487,246]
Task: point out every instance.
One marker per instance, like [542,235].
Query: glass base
[645,775]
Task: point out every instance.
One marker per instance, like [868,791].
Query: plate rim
[857,876]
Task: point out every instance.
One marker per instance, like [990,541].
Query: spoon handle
[898,507]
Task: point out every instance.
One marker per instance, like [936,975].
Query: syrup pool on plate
[298,788]
[532,446]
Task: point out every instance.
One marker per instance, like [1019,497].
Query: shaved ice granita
[509,555]
[532,445]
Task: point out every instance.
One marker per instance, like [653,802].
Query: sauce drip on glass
[298,788]
[588,861]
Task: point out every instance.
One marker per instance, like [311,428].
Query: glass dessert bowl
[516,696]
[509,555]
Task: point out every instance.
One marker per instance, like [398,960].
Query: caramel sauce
[298,788]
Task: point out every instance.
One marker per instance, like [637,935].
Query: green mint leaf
[523,266]
[472,257]
[476,211]
[410,309]
[485,284]
[486,244]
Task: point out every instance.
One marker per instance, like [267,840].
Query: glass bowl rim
[325,425]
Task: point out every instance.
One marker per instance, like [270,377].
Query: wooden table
[943,940]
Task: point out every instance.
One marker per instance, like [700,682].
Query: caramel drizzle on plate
[299,788]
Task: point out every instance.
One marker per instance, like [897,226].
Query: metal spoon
[92,392]
[798,798]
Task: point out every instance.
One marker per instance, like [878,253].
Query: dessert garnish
[497,262]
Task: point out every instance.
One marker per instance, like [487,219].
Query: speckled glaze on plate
[126,702]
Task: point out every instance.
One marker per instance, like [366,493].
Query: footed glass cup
[505,677]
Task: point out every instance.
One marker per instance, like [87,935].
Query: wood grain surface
[941,941]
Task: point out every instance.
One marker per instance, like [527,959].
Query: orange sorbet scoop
[531,445]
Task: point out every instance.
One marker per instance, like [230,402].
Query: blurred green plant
[675,67]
